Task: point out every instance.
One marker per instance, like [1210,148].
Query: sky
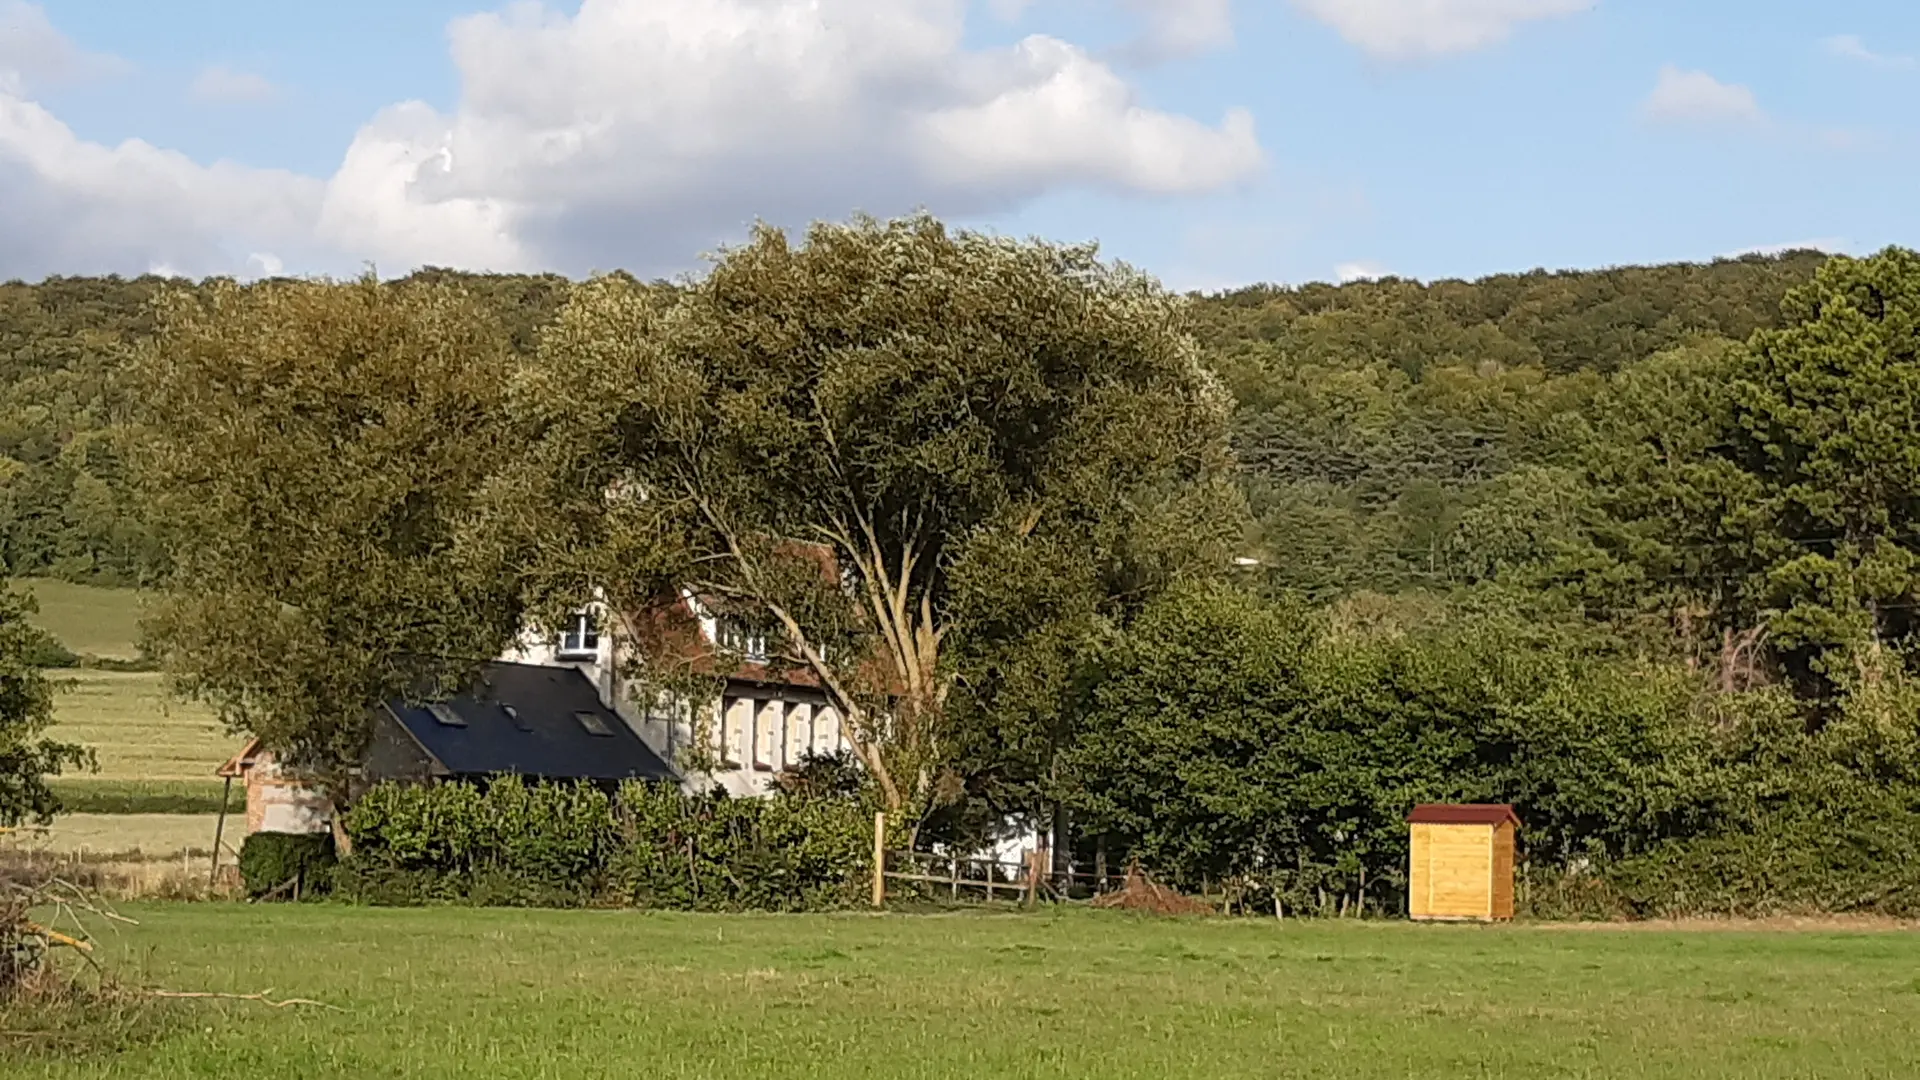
[1213,143]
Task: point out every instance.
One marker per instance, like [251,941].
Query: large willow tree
[308,453]
[873,447]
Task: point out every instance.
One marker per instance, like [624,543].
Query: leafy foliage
[269,860]
[855,445]
[27,758]
[1235,740]
[308,451]
[568,844]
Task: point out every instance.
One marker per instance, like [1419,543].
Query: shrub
[714,853]
[511,843]
[536,841]
[269,860]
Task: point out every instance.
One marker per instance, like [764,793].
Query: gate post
[879,859]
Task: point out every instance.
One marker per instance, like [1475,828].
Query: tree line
[1220,583]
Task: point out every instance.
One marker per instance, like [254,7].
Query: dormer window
[736,638]
[580,638]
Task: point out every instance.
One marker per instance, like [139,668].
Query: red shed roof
[1457,814]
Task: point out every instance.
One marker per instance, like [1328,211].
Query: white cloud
[1177,29]
[1348,272]
[639,130]
[1405,29]
[1168,29]
[33,52]
[1695,96]
[70,205]
[224,86]
[1853,47]
[634,134]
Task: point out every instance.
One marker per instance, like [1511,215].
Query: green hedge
[511,843]
[270,860]
[1865,861]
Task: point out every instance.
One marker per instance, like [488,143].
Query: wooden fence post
[880,859]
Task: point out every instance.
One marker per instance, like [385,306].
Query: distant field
[88,619]
[138,732]
[441,992]
[99,795]
[152,835]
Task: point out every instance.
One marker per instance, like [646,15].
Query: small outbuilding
[1461,864]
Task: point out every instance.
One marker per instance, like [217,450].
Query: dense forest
[1635,549]
[1373,419]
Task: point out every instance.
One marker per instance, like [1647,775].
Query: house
[767,717]
[543,722]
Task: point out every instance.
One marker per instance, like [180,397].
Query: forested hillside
[1376,417]
[64,505]
[1373,417]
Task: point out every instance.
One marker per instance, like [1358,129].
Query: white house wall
[756,737]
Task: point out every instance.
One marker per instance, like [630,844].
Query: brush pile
[1141,893]
[39,919]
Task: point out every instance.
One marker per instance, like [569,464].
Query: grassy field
[98,795]
[90,620]
[155,792]
[137,730]
[504,993]
[156,835]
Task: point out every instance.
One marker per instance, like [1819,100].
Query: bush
[511,843]
[714,853]
[1240,742]
[540,842]
[43,650]
[269,861]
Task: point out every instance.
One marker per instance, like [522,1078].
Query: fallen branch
[261,997]
[58,938]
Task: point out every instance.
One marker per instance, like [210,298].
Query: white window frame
[579,639]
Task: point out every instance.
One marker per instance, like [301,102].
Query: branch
[260,997]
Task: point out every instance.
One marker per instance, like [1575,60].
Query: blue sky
[1211,142]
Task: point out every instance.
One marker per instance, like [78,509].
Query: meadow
[155,791]
[1073,993]
[89,619]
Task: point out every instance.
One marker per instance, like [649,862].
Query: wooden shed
[1461,864]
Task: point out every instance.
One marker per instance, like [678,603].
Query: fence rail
[1025,880]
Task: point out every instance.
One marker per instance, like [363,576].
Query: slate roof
[531,720]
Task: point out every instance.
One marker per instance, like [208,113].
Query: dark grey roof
[526,719]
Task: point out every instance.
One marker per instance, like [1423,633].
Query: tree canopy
[307,454]
[873,446]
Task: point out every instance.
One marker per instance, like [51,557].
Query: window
[594,723]
[581,637]
[735,637]
[444,713]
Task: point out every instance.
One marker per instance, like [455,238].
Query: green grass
[100,795]
[88,619]
[138,732]
[507,993]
